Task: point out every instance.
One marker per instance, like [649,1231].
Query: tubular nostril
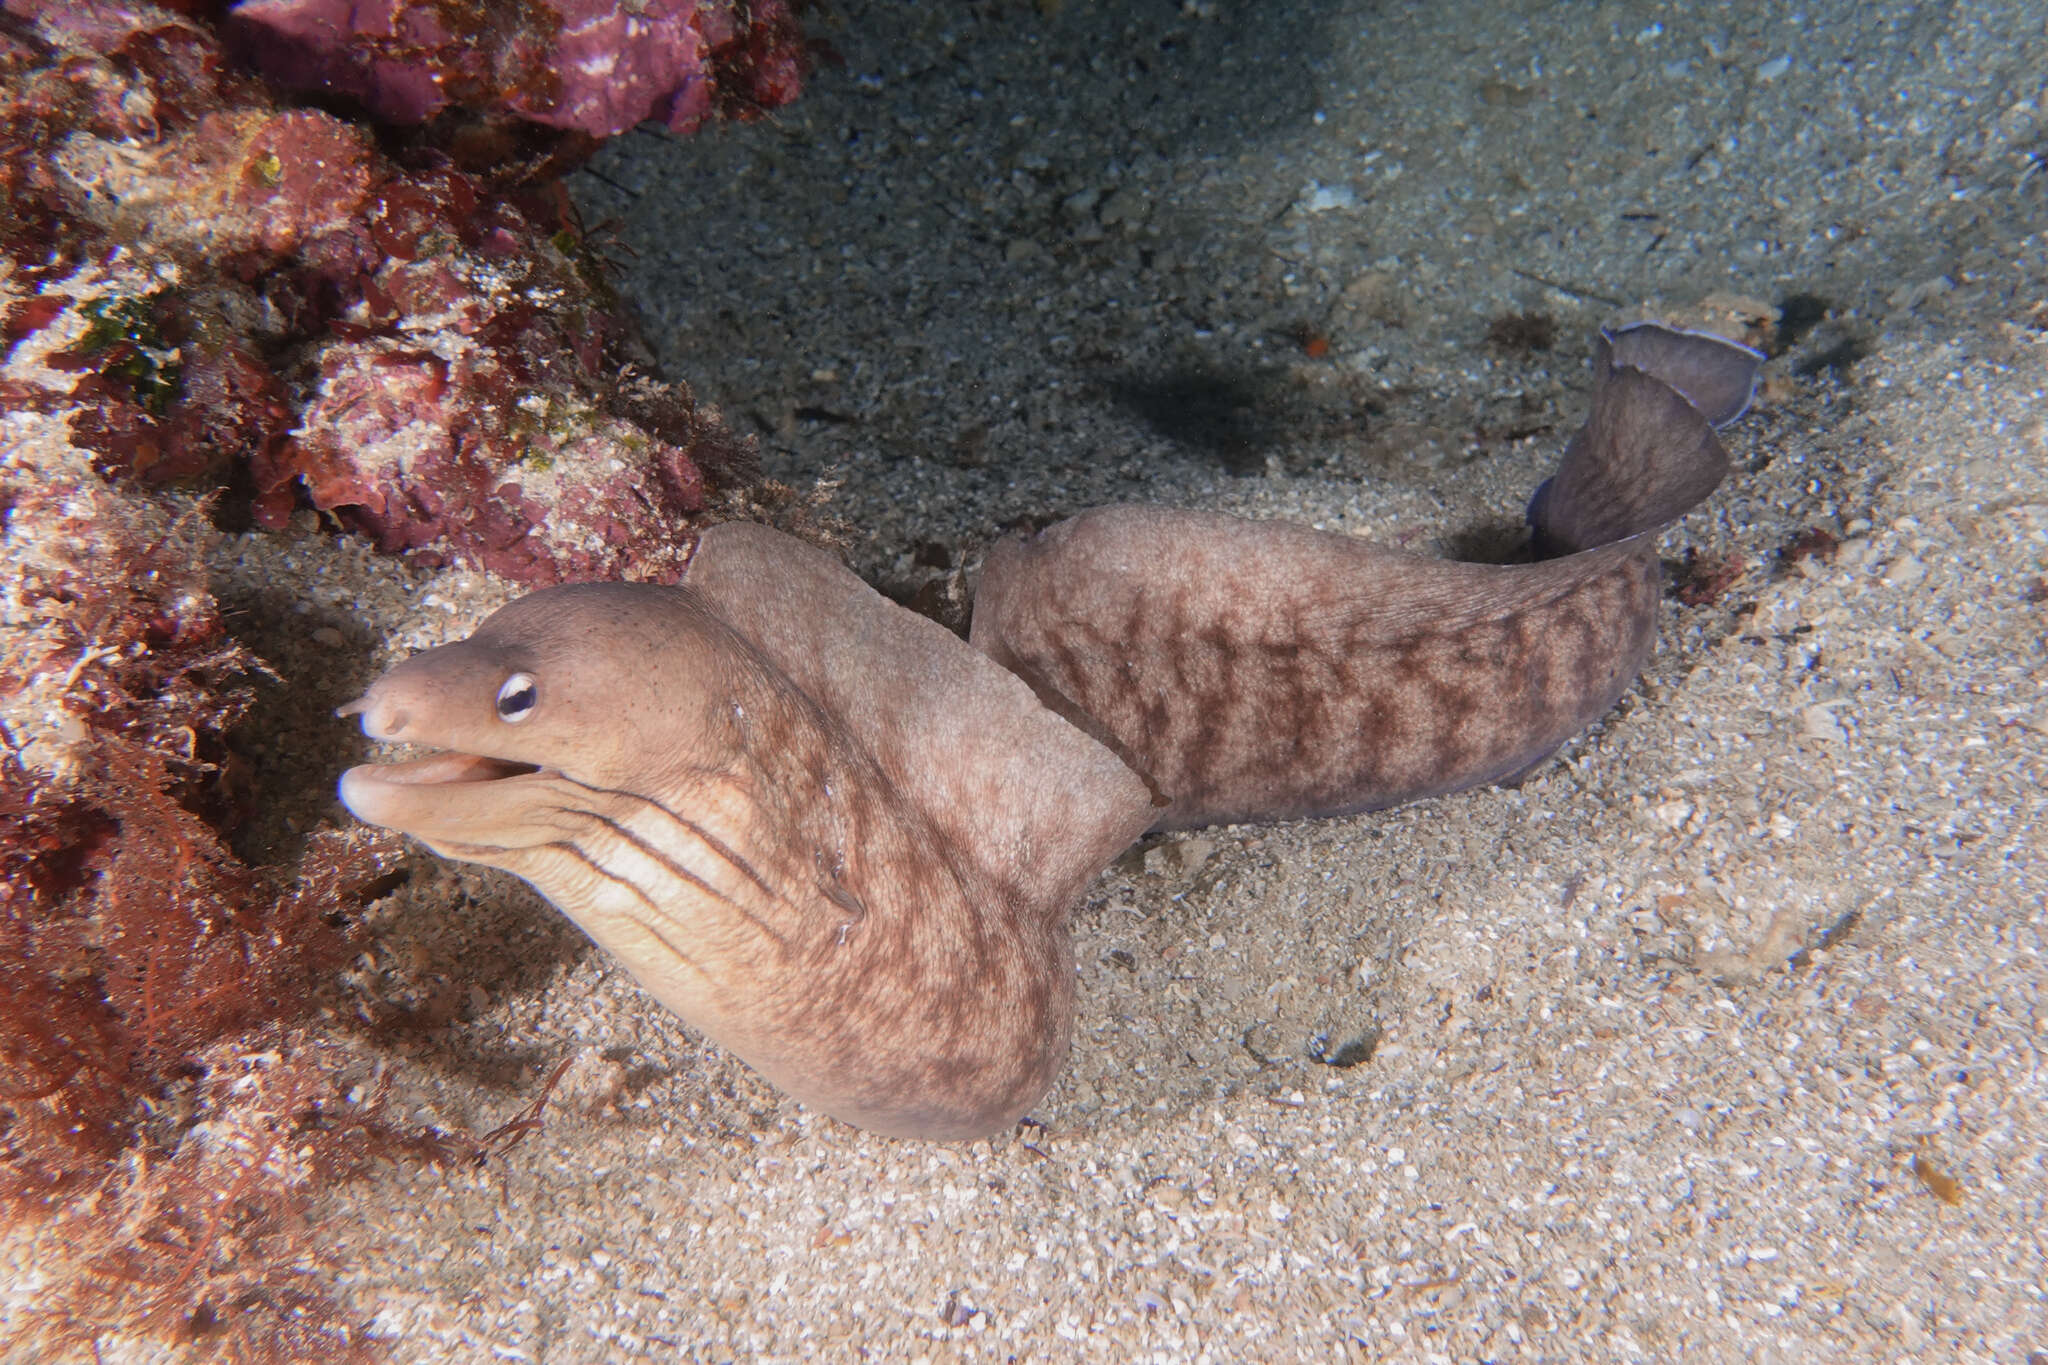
[381,720]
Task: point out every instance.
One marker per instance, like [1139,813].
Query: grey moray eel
[843,844]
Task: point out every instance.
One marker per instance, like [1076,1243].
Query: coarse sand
[1720,1038]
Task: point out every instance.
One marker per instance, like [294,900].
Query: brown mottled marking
[1326,674]
[1261,671]
[843,844]
[814,824]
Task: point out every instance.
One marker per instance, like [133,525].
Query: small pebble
[1904,573]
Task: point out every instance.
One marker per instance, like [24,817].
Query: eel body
[843,843]
[1256,671]
[817,826]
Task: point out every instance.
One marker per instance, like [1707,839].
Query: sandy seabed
[1721,1038]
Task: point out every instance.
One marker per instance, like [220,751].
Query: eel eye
[516,699]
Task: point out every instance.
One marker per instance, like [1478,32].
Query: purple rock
[588,66]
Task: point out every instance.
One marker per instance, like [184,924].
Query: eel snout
[373,786]
[445,796]
[385,718]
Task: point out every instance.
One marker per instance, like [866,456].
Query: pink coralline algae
[212,289]
[587,66]
[203,292]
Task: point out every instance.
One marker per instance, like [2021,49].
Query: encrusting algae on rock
[213,289]
[589,66]
[218,312]
[161,1157]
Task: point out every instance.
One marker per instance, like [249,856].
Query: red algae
[138,952]
[219,311]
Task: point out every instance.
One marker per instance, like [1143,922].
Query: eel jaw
[449,797]
[445,767]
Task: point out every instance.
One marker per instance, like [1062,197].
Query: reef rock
[215,290]
[589,66]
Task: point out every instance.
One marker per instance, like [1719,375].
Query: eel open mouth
[449,800]
[444,794]
[435,792]
[446,768]
[387,720]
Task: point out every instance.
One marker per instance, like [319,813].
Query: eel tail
[1648,453]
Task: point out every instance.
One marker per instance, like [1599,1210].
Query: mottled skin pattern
[844,845]
[770,867]
[1259,671]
